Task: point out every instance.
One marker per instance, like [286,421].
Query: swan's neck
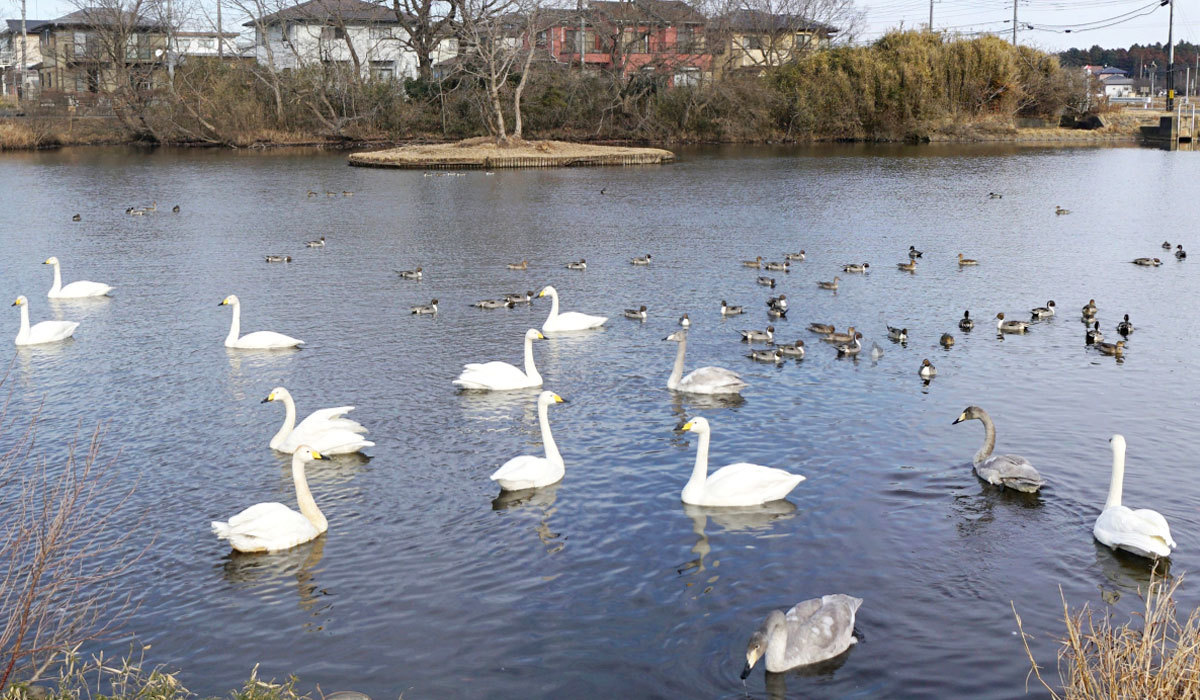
[677,371]
[989,439]
[308,507]
[24,332]
[552,453]
[1117,481]
[777,647]
[235,326]
[289,422]
[695,485]
[530,368]
[553,304]
[57,286]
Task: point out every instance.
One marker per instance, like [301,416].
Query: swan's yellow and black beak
[316,455]
[270,397]
[559,399]
[17,302]
[751,659]
[46,262]
[686,427]
[961,417]
[540,336]
[542,293]
[223,302]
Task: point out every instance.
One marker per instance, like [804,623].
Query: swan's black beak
[266,400]
[957,421]
[221,303]
[746,671]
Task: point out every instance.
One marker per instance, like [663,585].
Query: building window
[687,77]
[383,70]
[570,41]
[82,40]
[380,33]
[752,42]
[208,44]
[332,33]
[684,37]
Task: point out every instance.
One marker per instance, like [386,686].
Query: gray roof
[758,21]
[31,25]
[322,11]
[102,16]
[1119,81]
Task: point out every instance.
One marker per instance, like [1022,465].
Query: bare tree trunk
[518,125]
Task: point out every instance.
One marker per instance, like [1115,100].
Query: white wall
[378,48]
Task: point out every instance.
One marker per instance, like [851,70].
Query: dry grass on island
[486,153]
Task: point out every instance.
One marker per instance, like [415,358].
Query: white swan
[44,332]
[569,321]
[273,527]
[74,290]
[738,484]
[813,631]
[706,380]
[1144,532]
[1000,470]
[528,471]
[259,340]
[326,430]
[501,376]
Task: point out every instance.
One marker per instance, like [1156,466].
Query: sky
[1042,23]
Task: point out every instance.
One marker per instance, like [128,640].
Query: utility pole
[1014,22]
[220,33]
[931,15]
[1171,56]
[24,62]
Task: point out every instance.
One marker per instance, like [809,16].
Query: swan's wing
[526,468]
[574,318]
[1121,527]
[1156,523]
[84,288]
[266,527]
[1012,471]
[260,513]
[267,339]
[820,628]
[750,483]
[329,418]
[712,378]
[491,375]
[334,441]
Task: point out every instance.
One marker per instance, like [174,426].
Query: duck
[526,298]
[830,285]
[153,206]
[579,264]
[1143,532]
[312,194]
[1166,245]
[705,380]
[852,348]
[876,351]
[1116,349]
[1043,311]
[501,376]
[279,258]
[1009,471]
[1089,309]
[80,289]
[258,340]
[410,274]
[727,310]
[429,309]
[910,266]
[927,371]
[755,335]
[966,261]
[775,355]
[854,267]
[794,256]
[780,302]
[914,253]
[43,332]
[1093,335]
[767,282]
[1180,253]
[644,260]
[812,631]
[175,209]
[946,341]
[740,484]
[326,430]
[137,212]
[1125,327]
[523,265]
[530,471]
[795,349]
[492,304]
[822,328]
[897,334]
[77,217]
[776,313]
[347,193]
[995,195]
[756,263]
[784,266]
[685,322]
[966,323]
[319,243]
[273,527]
[636,314]
[1010,326]
[837,338]
[1147,262]
[569,320]
[1059,211]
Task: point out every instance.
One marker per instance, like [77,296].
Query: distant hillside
[1135,58]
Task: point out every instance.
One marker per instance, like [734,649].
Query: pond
[429,585]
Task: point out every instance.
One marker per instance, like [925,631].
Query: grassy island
[487,154]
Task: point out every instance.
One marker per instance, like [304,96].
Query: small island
[485,153]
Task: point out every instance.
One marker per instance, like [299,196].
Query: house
[351,34]
[665,38]
[98,49]
[752,40]
[11,57]
[1117,86]
[204,44]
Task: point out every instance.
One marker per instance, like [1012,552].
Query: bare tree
[497,37]
[765,33]
[426,23]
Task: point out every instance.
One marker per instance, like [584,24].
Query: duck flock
[813,630]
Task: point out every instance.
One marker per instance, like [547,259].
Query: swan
[756,263]
[1143,532]
[946,340]
[727,310]
[410,274]
[527,471]
[767,282]
[326,430]
[501,376]
[636,314]
[706,380]
[1093,335]
[856,267]
[794,256]
[910,266]
[927,371]
[429,309]
[259,340]
[1125,327]
[569,321]
[1000,470]
[775,355]
[966,261]
[273,527]
[44,332]
[1003,326]
[784,266]
[74,290]
[966,323]
[813,631]
[1043,311]
[739,484]
[645,260]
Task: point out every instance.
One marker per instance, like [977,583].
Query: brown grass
[485,152]
[1154,656]
[14,137]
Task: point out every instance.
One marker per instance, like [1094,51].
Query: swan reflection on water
[539,503]
[1127,573]
[337,469]
[736,519]
[249,361]
[264,571]
[777,682]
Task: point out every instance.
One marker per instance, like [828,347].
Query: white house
[204,43]
[11,55]
[348,33]
[1118,86]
